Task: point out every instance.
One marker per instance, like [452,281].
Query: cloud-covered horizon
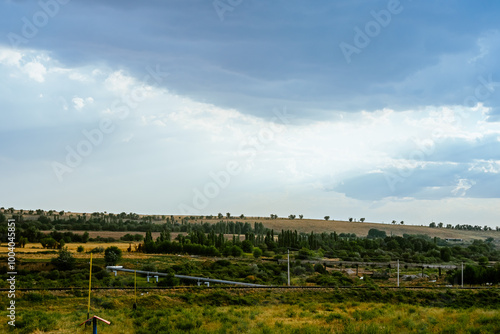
[180,107]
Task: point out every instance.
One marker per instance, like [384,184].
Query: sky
[383,110]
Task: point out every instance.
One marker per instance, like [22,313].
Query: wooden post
[93,320]
[90,284]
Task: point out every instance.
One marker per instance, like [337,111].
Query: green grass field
[199,310]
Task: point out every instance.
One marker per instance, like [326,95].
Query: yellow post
[90,282]
[135,290]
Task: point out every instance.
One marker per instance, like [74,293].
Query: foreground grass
[261,311]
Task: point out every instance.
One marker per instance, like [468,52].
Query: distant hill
[360,229]
[301,225]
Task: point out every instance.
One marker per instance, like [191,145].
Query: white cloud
[10,57]
[79,103]
[35,71]
[119,82]
[462,186]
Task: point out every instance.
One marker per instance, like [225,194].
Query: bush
[149,267]
[169,280]
[65,261]
[112,255]
[54,275]
[319,268]
[247,246]
[298,271]
[31,321]
[97,250]
[103,273]
[80,249]
[257,252]
[236,251]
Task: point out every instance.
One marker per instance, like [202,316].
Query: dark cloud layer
[268,54]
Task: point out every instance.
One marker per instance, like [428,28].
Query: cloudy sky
[376,109]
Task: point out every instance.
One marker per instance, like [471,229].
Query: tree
[149,237]
[242,216]
[362,220]
[2,218]
[350,219]
[236,251]
[402,222]
[257,252]
[48,243]
[247,246]
[65,261]
[219,215]
[164,235]
[374,233]
[394,222]
[301,216]
[327,217]
[85,237]
[228,215]
[291,217]
[80,249]
[445,254]
[112,255]
[23,241]
[432,225]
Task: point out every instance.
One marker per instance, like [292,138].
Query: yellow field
[34,251]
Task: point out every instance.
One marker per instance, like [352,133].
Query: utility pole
[398,273]
[462,274]
[288,267]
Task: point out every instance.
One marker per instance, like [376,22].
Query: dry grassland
[360,229]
